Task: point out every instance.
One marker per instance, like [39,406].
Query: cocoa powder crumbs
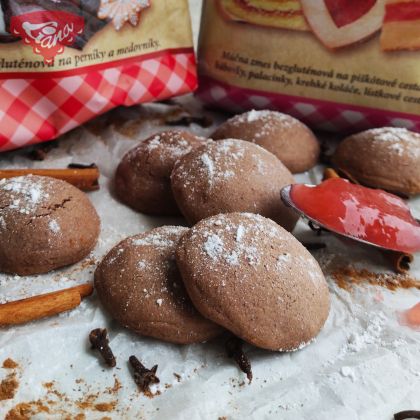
[58,403]
[114,389]
[347,277]
[25,411]
[9,364]
[105,407]
[8,387]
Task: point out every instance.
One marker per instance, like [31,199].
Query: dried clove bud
[314,246]
[403,415]
[234,350]
[317,229]
[81,166]
[99,340]
[186,120]
[143,377]
[40,152]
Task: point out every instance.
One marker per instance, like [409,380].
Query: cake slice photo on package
[342,66]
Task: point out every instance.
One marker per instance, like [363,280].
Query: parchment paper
[363,365]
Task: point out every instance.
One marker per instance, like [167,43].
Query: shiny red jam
[371,215]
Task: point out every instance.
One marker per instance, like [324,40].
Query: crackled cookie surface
[139,284]
[231,176]
[284,136]
[45,224]
[142,180]
[249,275]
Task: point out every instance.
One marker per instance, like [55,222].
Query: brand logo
[48,32]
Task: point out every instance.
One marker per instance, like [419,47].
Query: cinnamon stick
[330,173]
[85,179]
[42,306]
[400,261]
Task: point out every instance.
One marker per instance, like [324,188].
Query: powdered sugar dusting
[397,140]
[209,165]
[214,247]
[268,117]
[54,226]
[160,238]
[26,193]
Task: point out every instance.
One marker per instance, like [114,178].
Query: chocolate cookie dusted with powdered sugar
[231,176]
[387,158]
[284,136]
[142,180]
[249,275]
[139,284]
[45,224]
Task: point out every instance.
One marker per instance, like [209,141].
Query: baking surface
[363,365]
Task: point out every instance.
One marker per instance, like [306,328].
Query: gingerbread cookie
[231,176]
[45,224]
[387,158]
[142,180]
[284,136]
[249,275]
[139,284]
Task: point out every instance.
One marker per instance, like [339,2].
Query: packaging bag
[63,62]
[335,64]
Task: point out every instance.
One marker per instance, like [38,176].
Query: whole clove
[235,351]
[186,120]
[143,377]
[410,414]
[314,246]
[82,166]
[99,340]
[317,229]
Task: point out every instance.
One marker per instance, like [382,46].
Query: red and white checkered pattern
[40,109]
[322,115]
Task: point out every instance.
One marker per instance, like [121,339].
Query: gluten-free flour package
[63,62]
[336,64]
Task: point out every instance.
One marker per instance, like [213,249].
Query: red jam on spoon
[365,214]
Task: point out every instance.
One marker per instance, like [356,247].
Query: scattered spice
[105,407]
[234,350]
[410,414]
[114,389]
[99,340]
[41,306]
[346,277]
[314,246]
[10,364]
[40,152]
[143,377]
[8,387]
[86,179]
[25,411]
[82,166]
[187,119]
[317,229]
[177,377]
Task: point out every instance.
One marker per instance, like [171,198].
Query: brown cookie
[387,158]
[139,284]
[284,136]
[142,180]
[45,224]
[249,275]
[231,176]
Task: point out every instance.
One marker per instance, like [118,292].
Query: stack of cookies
[238,268]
